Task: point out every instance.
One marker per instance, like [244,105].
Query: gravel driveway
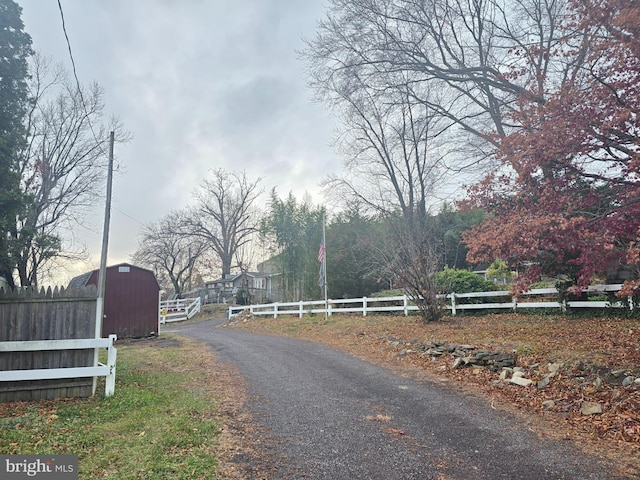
[332,416]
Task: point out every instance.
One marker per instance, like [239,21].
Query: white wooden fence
[536,298]
[179,310]
[108,371]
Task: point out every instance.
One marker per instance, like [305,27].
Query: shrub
[388,293]
[243,297]
[499,272]
[461,281]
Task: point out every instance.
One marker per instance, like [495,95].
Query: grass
[159,423]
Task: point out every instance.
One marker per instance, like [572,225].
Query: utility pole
[102,273]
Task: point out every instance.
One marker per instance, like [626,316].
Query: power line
[129,216]
[84,106]
[75,76]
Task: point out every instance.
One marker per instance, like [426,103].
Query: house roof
[235,277]
[80,280]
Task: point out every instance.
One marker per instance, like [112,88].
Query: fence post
[110,380]
[329,305]
[453,303]
[405,303]
[275,310]
[515,303]
[300,310]
[364,306]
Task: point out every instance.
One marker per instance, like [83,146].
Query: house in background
[258,285]
[131,300]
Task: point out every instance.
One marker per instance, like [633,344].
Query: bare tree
[63,166]
[471,52]
[223,216]
[172,253]
[409,79]
[393,165]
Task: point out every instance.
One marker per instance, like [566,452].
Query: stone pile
[242,317]
[505,363]
[468,355]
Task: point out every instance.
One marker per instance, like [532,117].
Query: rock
[548,404]
[637,381]
[457,363]
[504,374]
[432,352]
[517,373]
[402,353]
[524,382]
[590,408]
[628,381]
[598,382]
[554,367]
[544,382]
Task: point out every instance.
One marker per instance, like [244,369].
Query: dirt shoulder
[582,371]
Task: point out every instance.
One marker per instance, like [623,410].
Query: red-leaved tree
[566,198]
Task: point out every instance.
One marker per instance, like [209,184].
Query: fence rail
[535,298]
[101,370]
[179,310]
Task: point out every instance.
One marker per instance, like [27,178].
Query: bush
[388,293]
[499,272]
[461,281]
[243,297]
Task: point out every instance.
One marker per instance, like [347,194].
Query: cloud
[201,84]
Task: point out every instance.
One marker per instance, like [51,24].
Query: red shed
[131,300]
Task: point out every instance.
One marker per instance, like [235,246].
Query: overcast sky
[200,84]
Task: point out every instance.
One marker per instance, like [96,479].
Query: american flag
[321,252]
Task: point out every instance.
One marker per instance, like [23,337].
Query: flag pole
[324,260]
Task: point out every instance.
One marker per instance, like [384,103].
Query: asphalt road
[332,416]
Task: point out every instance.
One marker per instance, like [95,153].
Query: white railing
[179,310]
[108,371]
[536,298]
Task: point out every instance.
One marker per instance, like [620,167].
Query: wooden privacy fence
[454,302]
[47,345]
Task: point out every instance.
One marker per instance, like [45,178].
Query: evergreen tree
[15,49]
[294,229]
